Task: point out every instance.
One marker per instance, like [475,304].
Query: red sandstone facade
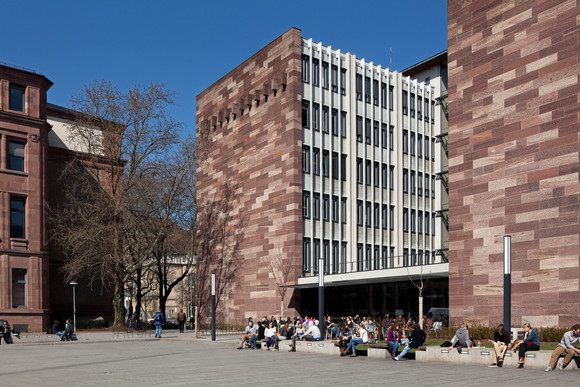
[254,114]
[514,168]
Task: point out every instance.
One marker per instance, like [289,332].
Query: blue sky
[188,45]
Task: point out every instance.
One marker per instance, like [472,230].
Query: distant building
[32,151]
[514,160]
[336,158]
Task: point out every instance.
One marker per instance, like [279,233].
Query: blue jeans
[272,341]
[405,350]
[351,345]
[252,341]
[395,345]
[158,329]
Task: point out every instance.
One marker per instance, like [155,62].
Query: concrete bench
[484,356]
[322,347]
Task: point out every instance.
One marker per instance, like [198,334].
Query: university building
[33,149]
[338,159]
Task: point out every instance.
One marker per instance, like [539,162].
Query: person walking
[159,320]
[181,318]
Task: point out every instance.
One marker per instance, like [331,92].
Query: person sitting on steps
[531,342]
[566,346]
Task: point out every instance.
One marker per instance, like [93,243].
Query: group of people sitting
[6,332]
[274,330]
[531,342]
[64,334]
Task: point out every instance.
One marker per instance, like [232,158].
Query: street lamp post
[507,283]
[74,285]
[321,297]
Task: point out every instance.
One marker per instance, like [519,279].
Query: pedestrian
[181,318]
[159,320]
[566,346]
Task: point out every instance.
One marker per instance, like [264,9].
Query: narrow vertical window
[334,79]
[405,102]
[367,90]
[305,159]
[325,119]
[315,72]
[325,164]
[305,69]
[306,204]
[359,128]
[305,114]
[359,87]
[343,167]
[376,92]
[343,81]
[16,156]
[17,217]
[343,124]
[16,98]
[325,75]
[19,291]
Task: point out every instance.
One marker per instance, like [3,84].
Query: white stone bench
[484,356]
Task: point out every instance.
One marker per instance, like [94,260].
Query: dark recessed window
[19,288]
[17,97]
[17,217]
[16,156]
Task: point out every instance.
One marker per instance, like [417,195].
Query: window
[343,167]
[405,102]
[335,209]
[343,124]
[405,141]
[432,186]
[433,224]
[413,182]
[17,93]
[420,222]
[385,175]
[343,210]
[325,166]
[306,257]
[325,208]
[368,257]
[426,109]
[392,137]
[325,119]
[392,217]
[405,257]
[316,206]
[412,105]
[359,213]
[305,114]
[359,87]
[344,254]
[368,129]
[315,116]
[433,149]
[335,257]
[412,220]
[305,159]
[427,182]
[16,156]
[359,170]
[343,81]
[383,95]
[305,69]
[376,92]
[419,107]
[367,90]
[384,134]
[334,122]
[412,143]
[427,223]
[368,176]
[316,161]
[315,72]
[334,79]
[19,295]
[419,145]
[405,219]
[359,256]
[335,165]
[376,215]
[376,175]
[384,216]
[316,253]
[385,258]
[433,110]
[427,146]
[377,257]
[376,133]
[306,204]
[359,129]
[325,75]
[17,217]
[392,177]
[405,180]
[420,183]
[368,214]
[391,89]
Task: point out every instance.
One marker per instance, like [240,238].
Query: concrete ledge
[379,353]
[322,347]
[484,356]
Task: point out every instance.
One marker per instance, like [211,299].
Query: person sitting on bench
[566,346]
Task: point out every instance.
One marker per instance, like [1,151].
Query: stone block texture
[514,121]
[252,117]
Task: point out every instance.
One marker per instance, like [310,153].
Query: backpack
[159,317]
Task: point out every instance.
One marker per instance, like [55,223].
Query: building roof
[425,64]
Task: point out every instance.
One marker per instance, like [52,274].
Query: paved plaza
[180,360]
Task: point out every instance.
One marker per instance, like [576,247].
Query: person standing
[566,346]
[181,318]
[159,320]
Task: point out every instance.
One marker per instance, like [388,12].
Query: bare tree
[219,233]
[281,264]
[119,135]
[420,285]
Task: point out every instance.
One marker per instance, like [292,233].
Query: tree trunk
[195,321]
[119,301]
[421,310]
[281,308]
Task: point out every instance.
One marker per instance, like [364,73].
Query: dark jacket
[417,338]
[504,338]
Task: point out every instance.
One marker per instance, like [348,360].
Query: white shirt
[363,335]
[269,332]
